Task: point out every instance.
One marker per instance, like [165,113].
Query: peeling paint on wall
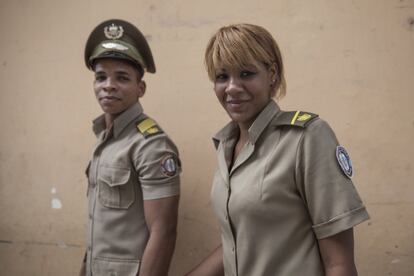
[395,261]
[56,203]
[410,22]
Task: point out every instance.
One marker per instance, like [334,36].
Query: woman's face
[244,93]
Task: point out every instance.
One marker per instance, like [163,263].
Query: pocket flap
[114,176]
[103,266]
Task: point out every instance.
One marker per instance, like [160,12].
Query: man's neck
[109,120]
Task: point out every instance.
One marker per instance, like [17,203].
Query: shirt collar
[230,130]
[120,122]
[259,124]
[263,120]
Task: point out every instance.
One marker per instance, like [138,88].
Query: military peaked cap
[119,39]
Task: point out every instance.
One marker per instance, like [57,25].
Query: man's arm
[161,218]
[337,254]
[211,266]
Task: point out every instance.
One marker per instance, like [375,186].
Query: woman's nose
[233,86]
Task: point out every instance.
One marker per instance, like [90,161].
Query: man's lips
[109,99]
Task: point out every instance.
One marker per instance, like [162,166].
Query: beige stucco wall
[350,61]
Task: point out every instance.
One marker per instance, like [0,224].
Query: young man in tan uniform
[134,172]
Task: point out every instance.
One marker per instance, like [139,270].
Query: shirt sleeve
[331,198]
[159,167]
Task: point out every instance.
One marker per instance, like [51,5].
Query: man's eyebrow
[120,71]
[99,72]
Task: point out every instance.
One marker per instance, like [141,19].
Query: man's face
[117,85]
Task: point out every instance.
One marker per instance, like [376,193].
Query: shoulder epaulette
[295,118]
[148,127]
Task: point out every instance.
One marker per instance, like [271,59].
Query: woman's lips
[235,104]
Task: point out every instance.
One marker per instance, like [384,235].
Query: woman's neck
[243,134]
[241,141]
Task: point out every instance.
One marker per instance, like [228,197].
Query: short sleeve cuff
[156,189]
[341,223]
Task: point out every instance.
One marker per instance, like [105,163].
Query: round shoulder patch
[344,161]
[169,165]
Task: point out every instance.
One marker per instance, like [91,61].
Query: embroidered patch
[344,161]
[169,165]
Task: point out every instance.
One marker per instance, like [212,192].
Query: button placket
[93,182]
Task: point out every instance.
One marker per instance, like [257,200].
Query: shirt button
[90,216]
[232,249]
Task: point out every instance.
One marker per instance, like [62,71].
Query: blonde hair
[238,45]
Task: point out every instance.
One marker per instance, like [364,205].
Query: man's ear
[142,86]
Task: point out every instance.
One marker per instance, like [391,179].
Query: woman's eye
[246,73]
[221,77]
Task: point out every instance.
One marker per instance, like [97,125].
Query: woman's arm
[337,254]
[210,266]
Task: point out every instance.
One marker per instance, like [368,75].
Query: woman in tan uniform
[282,192]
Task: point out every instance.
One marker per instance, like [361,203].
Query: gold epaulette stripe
[295,117]
[146,124]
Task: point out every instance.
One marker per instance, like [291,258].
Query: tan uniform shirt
[127,167]
[284,191]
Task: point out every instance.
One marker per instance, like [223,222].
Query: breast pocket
[116,190]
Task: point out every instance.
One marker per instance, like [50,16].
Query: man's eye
[100,78]
[123,78]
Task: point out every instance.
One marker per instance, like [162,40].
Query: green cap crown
[121,40]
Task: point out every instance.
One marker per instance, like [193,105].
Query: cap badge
[113,31]
[344,161]
[116,46]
